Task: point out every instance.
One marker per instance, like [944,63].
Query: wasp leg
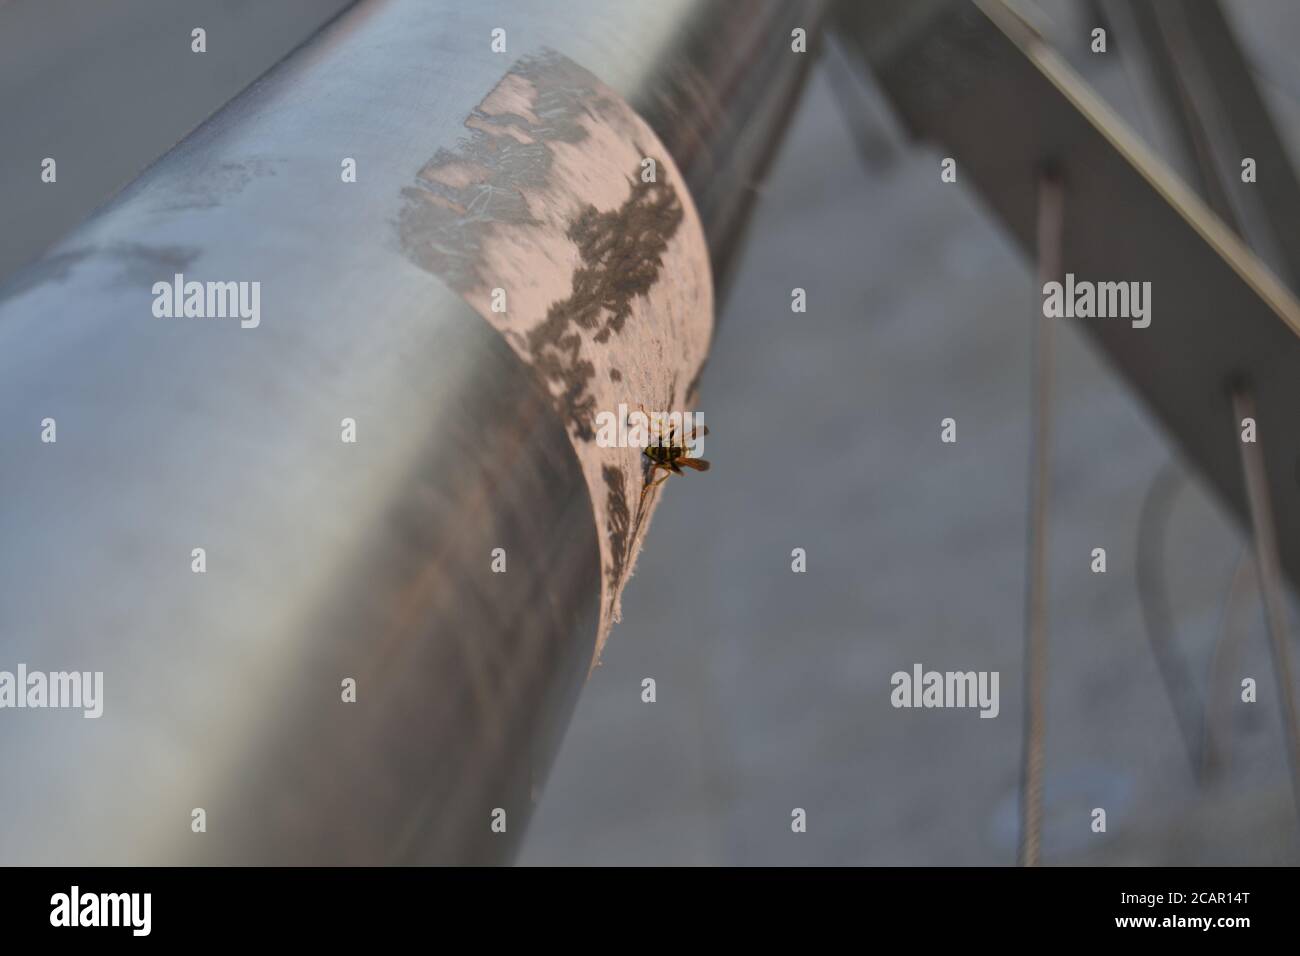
[654,484]
[667,475]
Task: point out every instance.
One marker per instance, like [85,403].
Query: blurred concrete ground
[773,687]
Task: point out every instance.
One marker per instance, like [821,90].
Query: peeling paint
[606,277]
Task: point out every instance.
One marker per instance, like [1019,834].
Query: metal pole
[324,561]
[1051,219]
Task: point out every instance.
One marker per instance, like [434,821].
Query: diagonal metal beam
[976,78]
[1219,118]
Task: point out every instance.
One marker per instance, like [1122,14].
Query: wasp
[671,455]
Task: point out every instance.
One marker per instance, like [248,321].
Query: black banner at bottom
[332,905]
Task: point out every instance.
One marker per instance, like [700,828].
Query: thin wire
[1051,222]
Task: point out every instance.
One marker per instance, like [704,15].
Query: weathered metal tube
[180,508]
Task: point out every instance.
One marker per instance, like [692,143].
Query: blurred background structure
[773,688]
